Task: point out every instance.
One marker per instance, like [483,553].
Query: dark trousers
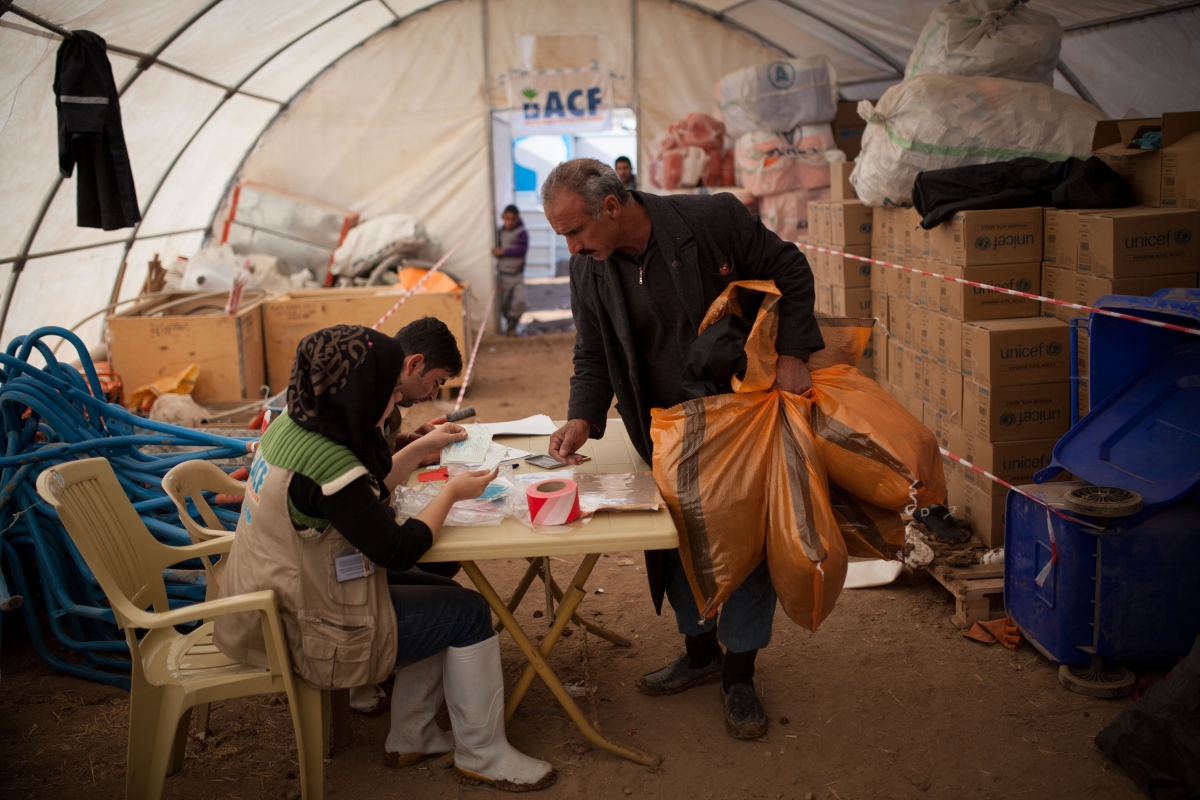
[744,621]
[434,612]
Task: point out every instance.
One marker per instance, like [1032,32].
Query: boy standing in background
[510,267]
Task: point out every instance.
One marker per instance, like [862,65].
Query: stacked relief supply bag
[772,163]
[997,38]
[778,96]
[941,121]
[690,154]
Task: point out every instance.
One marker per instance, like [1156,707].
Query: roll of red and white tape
[553,502]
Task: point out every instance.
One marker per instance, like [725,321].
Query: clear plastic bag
[491,508]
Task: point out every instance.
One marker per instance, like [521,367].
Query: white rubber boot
[475,697]
[416,698]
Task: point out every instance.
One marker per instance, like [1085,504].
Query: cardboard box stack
[843,283]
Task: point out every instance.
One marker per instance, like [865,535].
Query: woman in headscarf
[316,528]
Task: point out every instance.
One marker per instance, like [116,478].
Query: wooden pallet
[974,588]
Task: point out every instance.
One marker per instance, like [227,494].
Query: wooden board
[229,350]
[289,318]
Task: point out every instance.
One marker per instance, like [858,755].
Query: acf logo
[1008,419]
[258,474]
[1183,236]
[781,74]
[983,243]
[1053,348]
[578,104]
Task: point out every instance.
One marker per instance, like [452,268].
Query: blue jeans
[433,613]
[745,619]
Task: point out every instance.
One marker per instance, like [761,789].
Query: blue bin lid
[1145,436]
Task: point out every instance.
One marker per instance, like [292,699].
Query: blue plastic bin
[1128,593]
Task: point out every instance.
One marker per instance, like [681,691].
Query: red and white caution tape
[425,277]
[462,391]
[1002,290]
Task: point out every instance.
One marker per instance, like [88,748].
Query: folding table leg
[518,595]
[538,661]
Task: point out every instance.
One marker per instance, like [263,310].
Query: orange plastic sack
[806,554]
[869,531]
[743,479]
[872,446]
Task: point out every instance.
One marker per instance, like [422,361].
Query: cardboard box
[879,277]
[956,486]
[905,368]
[850,302]
[946,391]
[1090,288]
[229,349]
[824,300]
[982,238]
[1137,242]
[914,240]
[879,345]
[897,317]
[825,232]
[1060,284]
[289,318]
[880,308]
[851,222]
[970,303]
[1181,172]
[947,348]
[924,331]
[985,513]
[1016,413]
[848,128]
[1083,348]
[1152,174]
[840,187]
[1061,238]
[1015,462]
[1013,352]
[913,404]
[911,333]
[848,272]
[879,231]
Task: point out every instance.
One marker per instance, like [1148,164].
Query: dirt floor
[886,700]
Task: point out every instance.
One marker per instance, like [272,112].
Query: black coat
[90,136]
[708,241]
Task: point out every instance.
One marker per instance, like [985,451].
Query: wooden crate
[144,347]
[978,591]
[290,317]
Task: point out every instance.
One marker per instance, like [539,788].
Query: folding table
[608,531]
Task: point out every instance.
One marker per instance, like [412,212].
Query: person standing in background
[624,169]
[510,266]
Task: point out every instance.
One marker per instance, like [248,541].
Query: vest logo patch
[258,474]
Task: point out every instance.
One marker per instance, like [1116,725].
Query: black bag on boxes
[1021,183]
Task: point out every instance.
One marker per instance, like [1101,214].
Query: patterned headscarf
[341,383]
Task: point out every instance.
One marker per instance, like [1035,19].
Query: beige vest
[339,634]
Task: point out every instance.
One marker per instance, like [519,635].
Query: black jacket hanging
[90,136]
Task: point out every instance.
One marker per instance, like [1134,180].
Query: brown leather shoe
[745,717]
[679,676]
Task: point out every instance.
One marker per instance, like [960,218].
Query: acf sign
[560,101]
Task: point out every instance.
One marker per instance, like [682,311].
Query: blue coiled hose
[55,414]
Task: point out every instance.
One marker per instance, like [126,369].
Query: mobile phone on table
[546,462]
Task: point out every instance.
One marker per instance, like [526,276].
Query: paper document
[472,450]
[498,454]
[537,425]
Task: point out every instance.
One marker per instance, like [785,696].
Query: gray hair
[592,180]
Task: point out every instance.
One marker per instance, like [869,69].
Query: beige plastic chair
[192,479]
[172,672]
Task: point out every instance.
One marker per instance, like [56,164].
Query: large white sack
[369,243]
[773,163]
[941,121]
[778,96]
[997,38]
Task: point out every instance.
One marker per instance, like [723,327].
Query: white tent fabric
[385,105]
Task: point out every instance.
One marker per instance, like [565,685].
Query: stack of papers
[472,450]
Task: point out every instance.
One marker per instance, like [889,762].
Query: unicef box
[983,238]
